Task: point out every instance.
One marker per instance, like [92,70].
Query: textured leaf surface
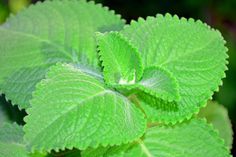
[193,52]
[121,61]
[62,32]
[194,138]
[218,116]
[159,83]
[74,109]
[11,141]
[156,109]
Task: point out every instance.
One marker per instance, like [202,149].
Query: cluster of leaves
[91,83]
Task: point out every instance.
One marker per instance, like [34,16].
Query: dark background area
[220,14]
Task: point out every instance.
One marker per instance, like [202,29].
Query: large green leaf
[192,51]
[74,109]
[11,141]
[218,116]
[46,33]
[121,61]
[194,138]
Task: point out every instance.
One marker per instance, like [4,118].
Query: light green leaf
[74,109]
[157,109]
[159,83]
[11,141]
[46,33]
[123,69]
[193,138]
[218,116]
[121,61]
[192,51]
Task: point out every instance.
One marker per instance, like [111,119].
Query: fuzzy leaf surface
[121,61]
[192,51]
[74,109]
[217,115]
[194,138]
[46,33]
[11,141]
[159,83]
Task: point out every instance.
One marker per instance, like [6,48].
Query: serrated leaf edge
[222,75]
[45,3]
[42,149]
[105,66]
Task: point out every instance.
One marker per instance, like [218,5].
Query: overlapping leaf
[217,115]
[193,52]
[122,68]
[46,33]
[74,109]
[159,83]
[121,61]
[194,138]
[12,144]
[11,141]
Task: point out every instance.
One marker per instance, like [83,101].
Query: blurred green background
[220,14]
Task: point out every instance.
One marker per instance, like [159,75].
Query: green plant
[90,83]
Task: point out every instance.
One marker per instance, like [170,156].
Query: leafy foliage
[62,32]
[76,110]
[123,69]
[11,141]
[109,91]
[121,61]
[184,140]
[190,50]
[217,115]
[159,83]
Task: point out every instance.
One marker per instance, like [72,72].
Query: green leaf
[123,69]
[11,141]
[121,61]
[218,116]
[74,109]
[62,32]
[193,138]
[192,51]
[159,83]
[156,109]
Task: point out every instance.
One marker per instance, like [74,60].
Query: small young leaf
[159,83]
[193,52]
[11,141]
[218,116]
[74,109]
[123,69]
[121,61]
[193,138]
[46,33]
